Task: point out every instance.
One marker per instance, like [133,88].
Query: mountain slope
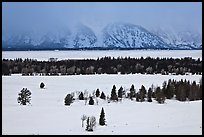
[84,37]
[80,37]
[115,35]
[125,35]
[180,40]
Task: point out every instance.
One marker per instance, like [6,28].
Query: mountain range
[112,36]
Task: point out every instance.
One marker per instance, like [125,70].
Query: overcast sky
[47,15]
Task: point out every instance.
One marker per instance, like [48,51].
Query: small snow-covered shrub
[42,85]
[68,99]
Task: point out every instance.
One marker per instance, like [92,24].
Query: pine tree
[132,92]
[42,85]
[81,96]
[68,99]
[24,96]
[137,97]
[120,92]
[181,94]
[97,93]
[164,88]
[103,96]
[113,94]
[91,101]
[200,89]
[142,93]
[170,90]
[149,95]
[159,95]
[102,118]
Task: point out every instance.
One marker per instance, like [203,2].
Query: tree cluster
[91,121]
[182,90]
[105,65]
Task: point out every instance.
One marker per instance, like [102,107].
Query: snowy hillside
[115,35]
[79,37]
[47,113]
[182,39]
[84,37]
[131,36]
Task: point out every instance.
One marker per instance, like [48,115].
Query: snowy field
[47,113]
[94,54]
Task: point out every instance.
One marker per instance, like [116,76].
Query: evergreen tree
[197,94]
[200,89]
[68,99]
[5,69]
[181,94]
[120,92]
[102,96]
[113,94]
[142,93]
[97,93]
[137,97]
[149,95]
[91,101]
[42,85]
[81,96]
[153,91]
[159,95]
[192,91]
[187,88]
[164,88]
[132,91]
[24,96]
[170,90]
[102,118]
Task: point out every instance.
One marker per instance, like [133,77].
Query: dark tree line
[182,90]
[103,65]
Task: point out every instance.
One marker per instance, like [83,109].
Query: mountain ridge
[114,36]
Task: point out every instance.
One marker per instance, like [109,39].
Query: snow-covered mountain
[84,37]
[79,37]
[181,39]
[115,35]
[125,35]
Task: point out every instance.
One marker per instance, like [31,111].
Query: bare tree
[96,101]
[84,117]
[91,123]
[86,96]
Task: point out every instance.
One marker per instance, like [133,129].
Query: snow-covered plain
[94,54]
[47,113]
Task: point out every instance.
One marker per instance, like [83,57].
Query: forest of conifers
[104,65]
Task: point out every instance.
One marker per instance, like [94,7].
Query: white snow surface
[48,115]
[94,54]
